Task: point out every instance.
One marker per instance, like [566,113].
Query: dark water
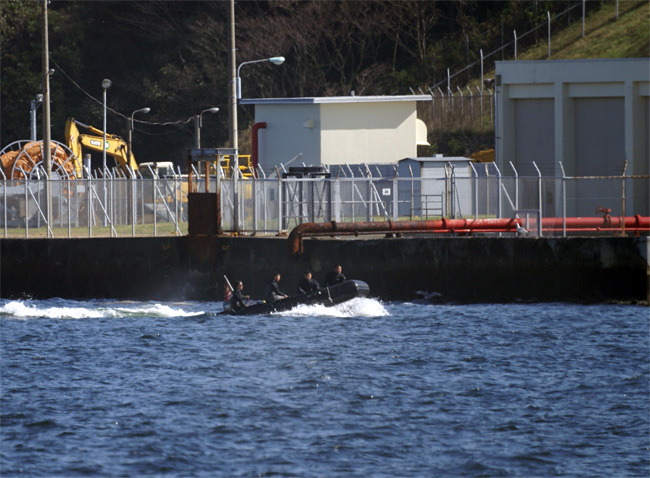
[367,390]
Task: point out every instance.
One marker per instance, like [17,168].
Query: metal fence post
[280,219]
[481,51]
[498,190]
[254,185]
[475,190]
[69,207]
[89,196]
[154,208]
[563,199]
[4,200]
[548,14]
[336,199]
[395,197]
[26,208]
[133,205]
[516,185]
[539,200]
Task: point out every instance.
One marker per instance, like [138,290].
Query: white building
[590,115]
[336,130]
[447,190]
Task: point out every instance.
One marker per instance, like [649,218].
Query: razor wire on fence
[458,101]
[123,207]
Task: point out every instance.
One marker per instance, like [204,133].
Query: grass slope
[605,35]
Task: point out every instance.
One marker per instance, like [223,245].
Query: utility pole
[232,105]
[232,110]
[47,153]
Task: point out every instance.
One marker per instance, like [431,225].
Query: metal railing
[277,205]
[122,207]
[109,206]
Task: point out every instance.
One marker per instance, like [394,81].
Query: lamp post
[198,124]
[106,84]
[128,159]
[129,152]
[276,60]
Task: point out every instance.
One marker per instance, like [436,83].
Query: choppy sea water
[107,388]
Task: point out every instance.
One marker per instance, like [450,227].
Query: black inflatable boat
[327,296]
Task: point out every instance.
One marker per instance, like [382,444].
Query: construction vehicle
[484,156]
[243,161]
[116,147]
[161,169]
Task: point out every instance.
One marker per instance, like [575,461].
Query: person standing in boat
[273,291]
[307,284]
[334,277]
[238,300]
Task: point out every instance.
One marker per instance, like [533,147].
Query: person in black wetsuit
[273,291]
[307,284]
[334,277]
[238,299]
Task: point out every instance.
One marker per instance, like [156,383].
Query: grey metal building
[592,116]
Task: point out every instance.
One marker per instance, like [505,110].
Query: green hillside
[333,47]
[605,37]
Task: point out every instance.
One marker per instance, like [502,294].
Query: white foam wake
[79,310]
[359,307]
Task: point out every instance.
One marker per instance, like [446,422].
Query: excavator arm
[115,146]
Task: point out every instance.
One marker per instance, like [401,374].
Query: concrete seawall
[481,269]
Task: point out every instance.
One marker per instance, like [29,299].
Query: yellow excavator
[116,147]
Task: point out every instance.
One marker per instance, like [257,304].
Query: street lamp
[198,124]
[128,153]
[236,95]
[106,84]
[132,171]
[276,60]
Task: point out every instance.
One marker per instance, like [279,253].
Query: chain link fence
[119,207]
[93,207]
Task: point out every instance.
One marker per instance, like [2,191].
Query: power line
[168,123]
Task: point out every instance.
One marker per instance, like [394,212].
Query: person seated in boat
[273,291]
[238,301]
[334,277]
[307,284]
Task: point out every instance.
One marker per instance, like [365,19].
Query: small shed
[318,131]
[438,195]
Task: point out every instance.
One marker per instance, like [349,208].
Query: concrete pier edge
[451,269]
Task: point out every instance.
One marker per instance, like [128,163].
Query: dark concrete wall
[460,269]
